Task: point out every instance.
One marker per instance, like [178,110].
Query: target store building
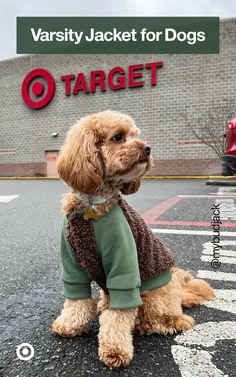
[43,95]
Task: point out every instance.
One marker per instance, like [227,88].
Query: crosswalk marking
[7,198]
[193,362]
[225,300]
[216,275]
[208,248]
[226,253]
[227,209]
[191,232]
[206,196]
[229,260]
[225,190]
[208,333]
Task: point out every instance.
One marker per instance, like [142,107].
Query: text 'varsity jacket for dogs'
[118,251]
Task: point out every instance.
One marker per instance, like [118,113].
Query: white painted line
[225,300]
[216,275]
[226,189]
[224,194]
[229,260]
[227,209]
[7,198]
[208,333]
[206,196]
[195,363]
[226,253]
[228,242]
[208,250]
[192,232]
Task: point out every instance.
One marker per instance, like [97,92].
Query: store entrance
[51,160]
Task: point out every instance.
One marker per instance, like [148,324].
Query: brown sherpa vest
[153,256]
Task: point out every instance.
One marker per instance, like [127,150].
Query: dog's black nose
[147,150]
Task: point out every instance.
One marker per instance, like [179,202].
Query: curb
[221,182]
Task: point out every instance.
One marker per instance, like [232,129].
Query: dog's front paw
[115,356]
[75,318]
[67,327]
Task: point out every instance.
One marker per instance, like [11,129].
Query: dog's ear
[131,187]
[79,163]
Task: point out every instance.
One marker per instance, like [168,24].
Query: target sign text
[38,87]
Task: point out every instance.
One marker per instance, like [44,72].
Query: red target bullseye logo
[38,88]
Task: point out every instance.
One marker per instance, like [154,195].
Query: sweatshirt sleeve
[117,246]
[76,281]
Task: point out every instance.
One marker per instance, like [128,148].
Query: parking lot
[180,213]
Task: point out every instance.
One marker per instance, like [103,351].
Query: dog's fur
[93,162]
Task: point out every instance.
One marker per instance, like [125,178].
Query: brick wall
[201,166]
[187,84]
[23,170]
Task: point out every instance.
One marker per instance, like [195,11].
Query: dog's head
[101,151]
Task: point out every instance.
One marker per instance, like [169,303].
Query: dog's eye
[117,137]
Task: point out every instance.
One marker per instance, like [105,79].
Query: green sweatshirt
[116,244]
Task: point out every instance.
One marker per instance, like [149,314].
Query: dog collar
[91,203]
[93,200]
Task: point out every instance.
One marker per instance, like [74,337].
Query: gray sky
[9,9]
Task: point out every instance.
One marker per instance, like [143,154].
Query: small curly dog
[105,240]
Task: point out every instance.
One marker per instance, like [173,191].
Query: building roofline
[15,57]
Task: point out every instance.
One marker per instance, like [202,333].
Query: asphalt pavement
[180,213]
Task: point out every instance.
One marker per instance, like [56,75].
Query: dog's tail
[194,291]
